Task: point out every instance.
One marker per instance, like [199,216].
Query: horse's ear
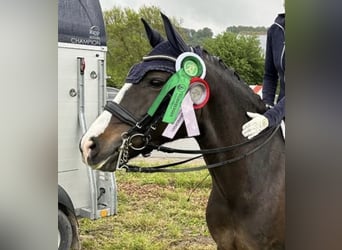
[173,36]
[153,36]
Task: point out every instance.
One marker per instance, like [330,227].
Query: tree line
[248,30]
[127,44]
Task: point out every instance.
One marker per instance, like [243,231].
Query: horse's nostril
[93,148]
[89,150]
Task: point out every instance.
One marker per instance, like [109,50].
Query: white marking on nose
[122,92]
[100,124]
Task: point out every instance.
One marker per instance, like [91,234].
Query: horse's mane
[217,60]
[232,75]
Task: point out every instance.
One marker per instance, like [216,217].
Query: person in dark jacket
[274,73]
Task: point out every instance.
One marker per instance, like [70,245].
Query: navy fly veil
[138,71]
[167,64]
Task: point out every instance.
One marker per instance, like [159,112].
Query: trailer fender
[66,217]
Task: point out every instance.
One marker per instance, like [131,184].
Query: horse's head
[155,93]
[133,118]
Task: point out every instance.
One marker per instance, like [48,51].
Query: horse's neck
[222,118]
[221,125]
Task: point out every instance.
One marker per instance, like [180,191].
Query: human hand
[255,126]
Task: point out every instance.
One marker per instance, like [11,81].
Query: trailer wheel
[64,231]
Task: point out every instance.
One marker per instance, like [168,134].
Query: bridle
[139,128]
[143,127]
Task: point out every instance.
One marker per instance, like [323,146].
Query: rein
[143,127]
[164,168]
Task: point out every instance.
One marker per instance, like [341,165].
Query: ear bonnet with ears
[172,47]
[153,36]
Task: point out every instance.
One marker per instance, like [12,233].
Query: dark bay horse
[246,207]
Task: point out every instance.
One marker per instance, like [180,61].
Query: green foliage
[194,37]
[127,44]
[240,52]
[260,30]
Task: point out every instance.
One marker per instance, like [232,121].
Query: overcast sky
[214,14]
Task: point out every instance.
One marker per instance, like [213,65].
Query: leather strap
[122,114]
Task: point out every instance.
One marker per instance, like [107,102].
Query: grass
[154,212]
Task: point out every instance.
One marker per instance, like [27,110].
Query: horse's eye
[157,83]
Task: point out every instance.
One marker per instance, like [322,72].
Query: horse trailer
[82,192]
